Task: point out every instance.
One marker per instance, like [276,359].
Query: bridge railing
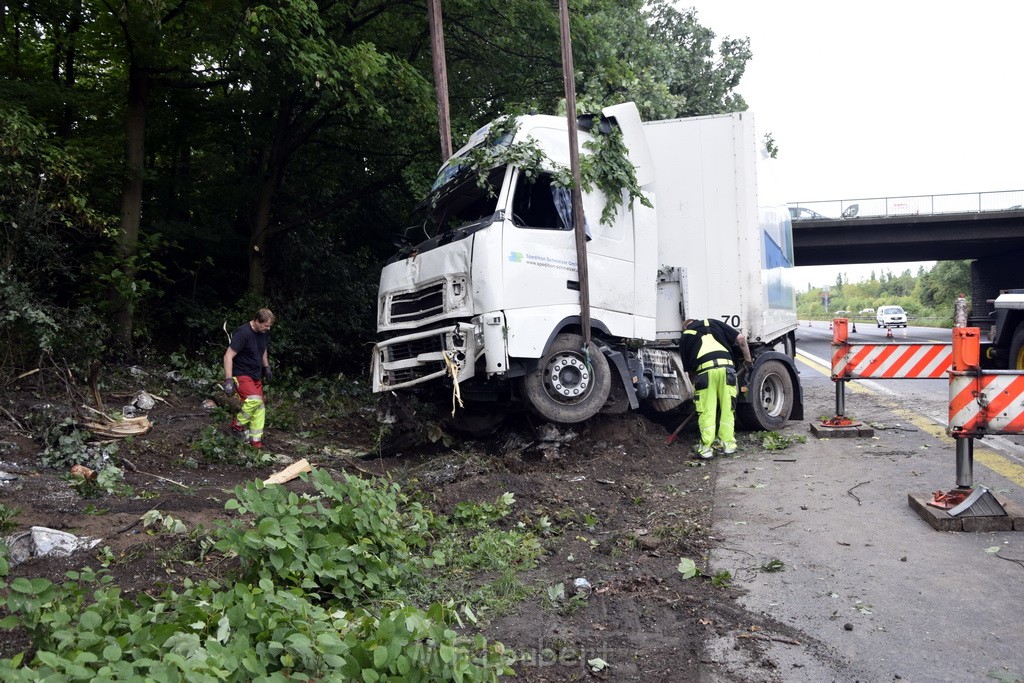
[929,204]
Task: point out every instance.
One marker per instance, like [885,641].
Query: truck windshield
[460,202]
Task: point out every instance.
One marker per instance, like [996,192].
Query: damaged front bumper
[422,357]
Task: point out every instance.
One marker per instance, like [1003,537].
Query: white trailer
[489,296]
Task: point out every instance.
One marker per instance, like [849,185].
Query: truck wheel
[1016,360]
[770,391]
[563,389]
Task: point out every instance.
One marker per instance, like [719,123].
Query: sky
[881,99]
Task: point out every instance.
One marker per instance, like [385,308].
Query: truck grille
[418,305]
[413,348]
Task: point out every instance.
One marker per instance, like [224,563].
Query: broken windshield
[461,201]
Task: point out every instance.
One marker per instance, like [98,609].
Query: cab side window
[534,205]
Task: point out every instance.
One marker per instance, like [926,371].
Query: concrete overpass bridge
[986,228]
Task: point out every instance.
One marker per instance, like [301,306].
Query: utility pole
[569,81]
[440,77]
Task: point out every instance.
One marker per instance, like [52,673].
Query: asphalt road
[878,594]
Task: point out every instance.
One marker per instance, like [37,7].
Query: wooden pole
[440,77]
[569,81]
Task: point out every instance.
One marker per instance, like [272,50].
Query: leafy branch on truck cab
[607,167]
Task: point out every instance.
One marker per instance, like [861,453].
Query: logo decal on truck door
[543,261]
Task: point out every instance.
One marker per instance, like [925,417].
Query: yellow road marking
[983,455]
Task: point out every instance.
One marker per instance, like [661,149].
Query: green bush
[353,541]
[86,630]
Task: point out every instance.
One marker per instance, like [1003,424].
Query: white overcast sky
[882,98]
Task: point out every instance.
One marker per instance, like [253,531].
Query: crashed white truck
[485,298]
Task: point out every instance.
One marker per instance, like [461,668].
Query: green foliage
[660,57]
[272,622]
[772,566]
[7,515]
[86,630]
[352,541]
[473,515]
[610,170]
[774,441]
[64,445]
[217,446]
[688,568]
[108,480]
[722,579]
[163,523]
[470,544]
[928,297]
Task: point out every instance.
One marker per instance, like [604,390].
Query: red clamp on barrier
[966,349]
[948,501]
[839,330]
[839,421]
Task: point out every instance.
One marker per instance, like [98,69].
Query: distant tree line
[929,296]
[168,166]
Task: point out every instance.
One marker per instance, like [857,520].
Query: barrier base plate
[940,520]
[857,429]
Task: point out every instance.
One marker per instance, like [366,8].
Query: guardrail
[912,205]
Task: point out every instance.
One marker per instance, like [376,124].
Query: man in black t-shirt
[246,365]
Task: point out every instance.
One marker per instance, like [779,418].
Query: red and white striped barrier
[986,402]
[891,361]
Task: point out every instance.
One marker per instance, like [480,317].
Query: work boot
[730,448]
[703,452]
[717,445]
[256,444]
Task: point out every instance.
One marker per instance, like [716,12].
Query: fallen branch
[773,639]
[850,490]
[128,463]
[13,419]
[94,373]
[1011,559]
[100,413]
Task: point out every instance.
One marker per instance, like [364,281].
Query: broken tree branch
[854,495]
[130,465]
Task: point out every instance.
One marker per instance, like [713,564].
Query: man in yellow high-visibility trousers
[706,350]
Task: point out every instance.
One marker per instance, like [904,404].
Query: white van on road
[891,316]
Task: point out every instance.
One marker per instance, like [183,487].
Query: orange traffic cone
[888,332]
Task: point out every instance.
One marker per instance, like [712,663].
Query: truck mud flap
[619,362]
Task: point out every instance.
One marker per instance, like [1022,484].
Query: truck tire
[563,389]
[770,392]
[1016,359]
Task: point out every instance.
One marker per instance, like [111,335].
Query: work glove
[748,365]
[267,373]
[229,386]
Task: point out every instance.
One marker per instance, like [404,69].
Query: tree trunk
[122,303]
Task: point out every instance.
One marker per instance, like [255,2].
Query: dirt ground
[627,507]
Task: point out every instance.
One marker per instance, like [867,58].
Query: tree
[940,286]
